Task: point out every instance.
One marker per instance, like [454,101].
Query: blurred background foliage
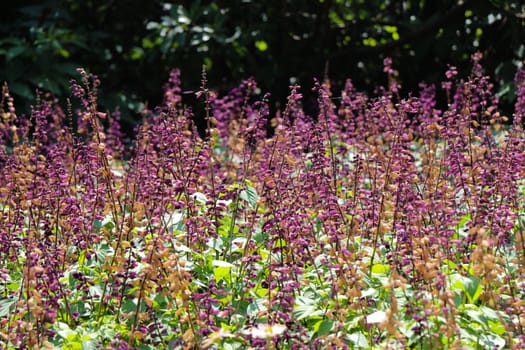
[133,44]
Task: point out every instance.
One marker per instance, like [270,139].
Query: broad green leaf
[173,221]
[493,341]
[376,317]
[456,282]
[233,346]
[15,51]
[216,244]
[221,270]
[279,243]
[304,311]
[5,306]
[369,292]
[73,345]
[256,306]
[180,247]
[306,307]
[95,291]
[64,331]
[473,288]
[453,266]
[221,263]
[324,327]
[22,89]
[359,340]
[97,225]
[458,299]
[199,197]
[489,313]
[13,286]
[221,273]
[261,45]
[88,343]
[107,223]
[82,258]
[474,313]
[130,305]
[380,268]
[249,194]
[497,327]
[64,53]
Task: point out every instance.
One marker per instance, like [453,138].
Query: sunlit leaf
[324,327]
[249,194]
[376,317]
[380,268]
[359,340]
[261,45]
[6,306]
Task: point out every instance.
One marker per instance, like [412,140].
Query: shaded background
[133,44]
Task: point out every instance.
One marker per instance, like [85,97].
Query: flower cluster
[380,222]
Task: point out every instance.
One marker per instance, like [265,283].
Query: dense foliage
[382,222]
[134,44]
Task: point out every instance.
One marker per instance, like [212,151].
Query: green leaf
[249,194]
[64,331]
[222,269]
[476,315]
[261,45]
[369,292]
[376,317]
[97,225]
[200,197]
[72,344]
[65,68]
[279,243]
[64,53]
[233,346]
[5,306]
[221,263]
[493,341]
[458,299]
[88,343]
[221,273]
[107,222]
[306,307]
[497,327]
[324,327]
[461,228]
[473,288]
[359,340]
[380,268]
[489,313]
[216,244]
[256,306]
[14,52]
[21,89]
[452,266]
[130,305]
[137,53]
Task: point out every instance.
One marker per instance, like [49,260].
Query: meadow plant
[381,222]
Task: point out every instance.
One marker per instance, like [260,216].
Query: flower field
[382,222]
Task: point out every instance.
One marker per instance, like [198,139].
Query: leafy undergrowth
[383,222]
